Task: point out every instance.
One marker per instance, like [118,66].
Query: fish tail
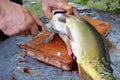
[83,74]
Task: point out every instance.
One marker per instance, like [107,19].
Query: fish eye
[62,19]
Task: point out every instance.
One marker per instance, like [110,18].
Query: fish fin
[69,48]
[50,28]
[67,42]
[50,38]
[83,74]
[69,34]
[107,45]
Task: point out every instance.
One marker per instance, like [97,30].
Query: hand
[49,5]
[16,20]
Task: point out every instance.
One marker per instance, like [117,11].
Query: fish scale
[87,46]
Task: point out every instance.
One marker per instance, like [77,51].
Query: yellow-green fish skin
[86,44]
[89,49]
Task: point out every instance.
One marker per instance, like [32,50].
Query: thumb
[34,30]
[67,7]
[38,22]
[47,12]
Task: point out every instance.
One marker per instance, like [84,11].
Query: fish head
[60,22]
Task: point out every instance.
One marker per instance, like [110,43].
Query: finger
[47,12]
[34,30]
[25,33]
[17,30]
[75,12]
[30,22]
[37,21]
[67,7]
[11,32]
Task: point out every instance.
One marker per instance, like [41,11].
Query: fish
[85,45]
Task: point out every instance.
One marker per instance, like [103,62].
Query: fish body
[87,46]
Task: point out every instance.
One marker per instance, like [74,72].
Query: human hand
[16,20]
[49,5]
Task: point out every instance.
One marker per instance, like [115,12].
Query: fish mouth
[59,11]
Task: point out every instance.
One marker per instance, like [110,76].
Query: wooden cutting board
[55,52]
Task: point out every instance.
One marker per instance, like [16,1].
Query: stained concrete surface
[14,66]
